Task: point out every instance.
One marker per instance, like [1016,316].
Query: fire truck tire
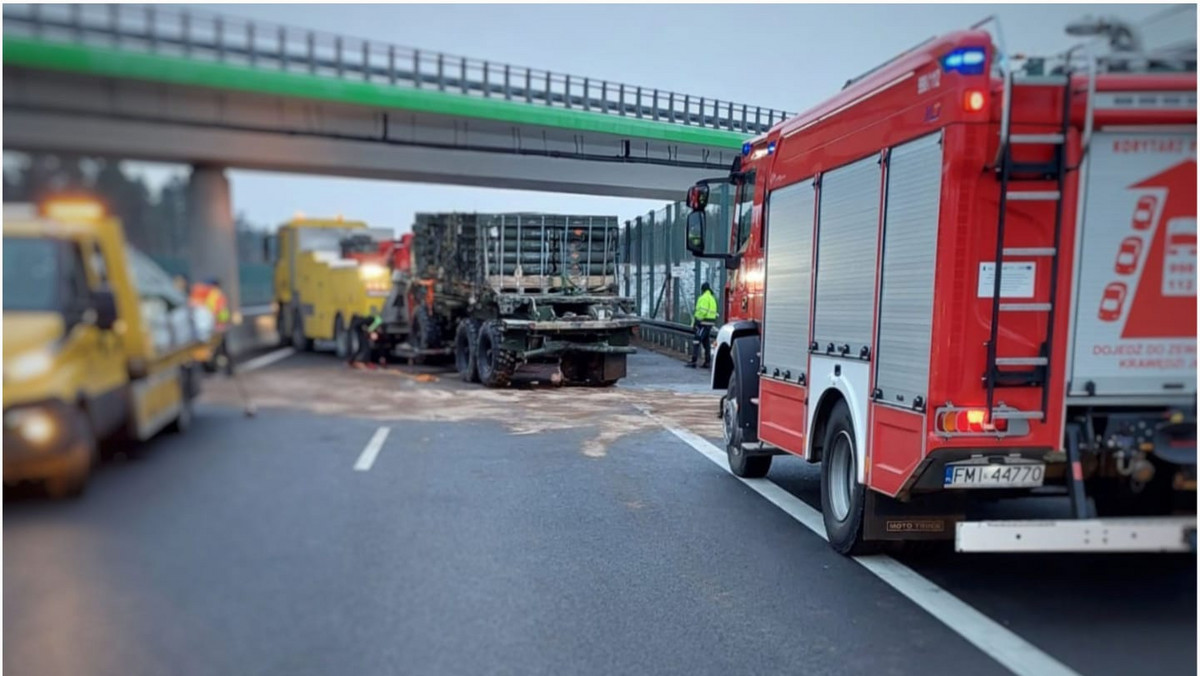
[843,499]
[300,341]
[495,364]
[341,338]
[741,464]
[465,351]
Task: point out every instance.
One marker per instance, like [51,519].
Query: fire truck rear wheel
[843,498]
[495,364]
[465,350]
[746,466]
[341,338]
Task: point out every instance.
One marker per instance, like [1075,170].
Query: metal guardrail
[666,335]
[188,33]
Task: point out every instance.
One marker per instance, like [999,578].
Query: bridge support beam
[212,250]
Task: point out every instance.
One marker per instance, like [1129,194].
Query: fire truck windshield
[330,239]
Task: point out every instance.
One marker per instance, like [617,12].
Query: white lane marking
[371,451]
[990,637]
[267,359]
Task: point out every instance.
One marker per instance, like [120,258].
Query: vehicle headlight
[29,365]
[371,271]
[35,425]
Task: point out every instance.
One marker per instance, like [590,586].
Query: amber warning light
[73,208]
[968,421]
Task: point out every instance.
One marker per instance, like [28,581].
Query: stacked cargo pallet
[520,252]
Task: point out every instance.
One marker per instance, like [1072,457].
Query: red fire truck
[920,299]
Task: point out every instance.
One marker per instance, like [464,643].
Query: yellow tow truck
[328,272]
[97,343]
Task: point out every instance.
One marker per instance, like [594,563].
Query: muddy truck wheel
[301,342]
[494,363]
[465,350]
[426,333]
[341,338]
[281,327]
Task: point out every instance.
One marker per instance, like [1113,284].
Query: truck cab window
[745,207]
[31,274]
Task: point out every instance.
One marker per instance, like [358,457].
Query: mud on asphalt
[324,386]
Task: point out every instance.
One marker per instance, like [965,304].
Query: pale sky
[783,56]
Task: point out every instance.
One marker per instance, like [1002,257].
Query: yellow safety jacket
[213,299]
[706,307]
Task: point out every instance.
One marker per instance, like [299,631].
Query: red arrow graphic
[1153,313]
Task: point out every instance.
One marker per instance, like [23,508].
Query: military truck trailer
[503,290]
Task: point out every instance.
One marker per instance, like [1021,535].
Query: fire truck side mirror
[695,232]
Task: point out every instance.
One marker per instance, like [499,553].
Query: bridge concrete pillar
[212,240]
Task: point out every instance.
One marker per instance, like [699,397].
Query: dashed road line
[993,639]
[371,451]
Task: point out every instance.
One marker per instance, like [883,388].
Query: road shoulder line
[990,637]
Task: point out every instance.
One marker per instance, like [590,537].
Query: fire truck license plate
[1024,475]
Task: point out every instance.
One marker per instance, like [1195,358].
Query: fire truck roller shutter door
[847,241]
[914,179]
[789,233]
[847,238]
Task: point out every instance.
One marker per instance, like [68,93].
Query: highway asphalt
[534,530]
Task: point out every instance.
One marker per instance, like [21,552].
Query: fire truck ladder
[1029,371]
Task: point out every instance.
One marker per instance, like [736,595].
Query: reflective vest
[213,299]
[706,307]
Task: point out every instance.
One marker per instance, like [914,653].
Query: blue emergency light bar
[965,60]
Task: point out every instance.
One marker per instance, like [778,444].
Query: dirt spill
[610,413]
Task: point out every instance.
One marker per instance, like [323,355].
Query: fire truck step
[1021,361]
[1009,414]
[1032,195]
[1024,307]
[1036,138]
[1030,251]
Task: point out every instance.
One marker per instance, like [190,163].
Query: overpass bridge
[174,85]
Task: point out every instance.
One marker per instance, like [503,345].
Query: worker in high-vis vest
[368,353]
[210,297]
[703,321]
